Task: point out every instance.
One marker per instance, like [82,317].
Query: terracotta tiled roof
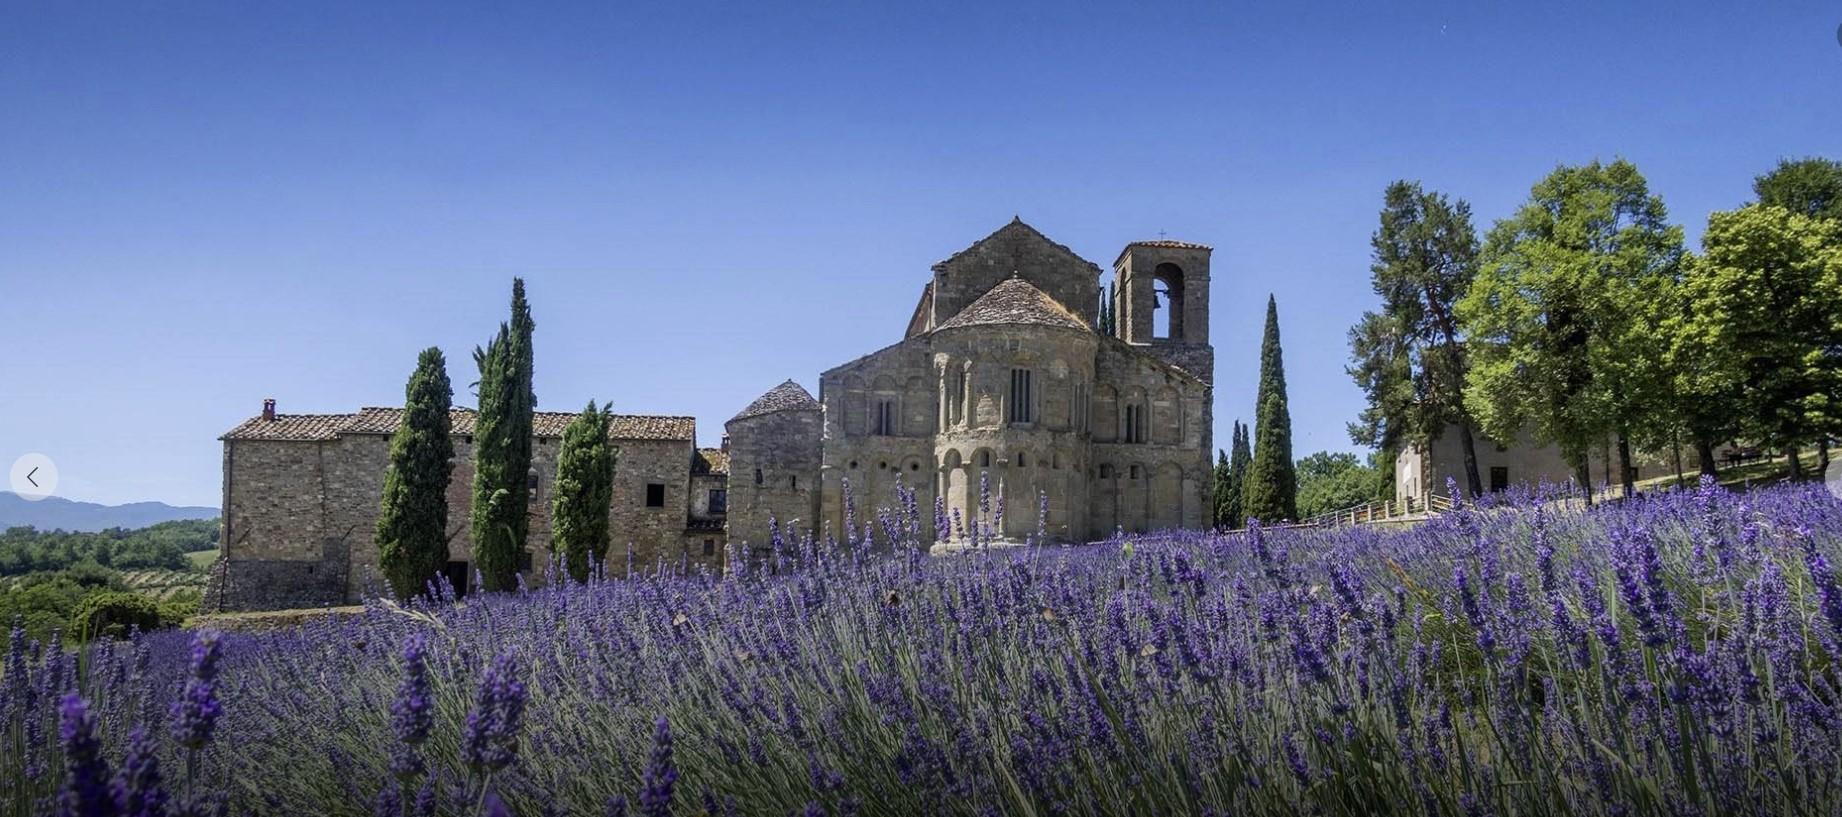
[1015,300]
[788,396]
[304,427]
[1162,243]
[1171,244]
[710,461]
[384,420]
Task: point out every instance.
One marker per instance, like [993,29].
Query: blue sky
[205,205]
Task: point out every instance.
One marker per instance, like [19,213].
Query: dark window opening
[1134,473]
[1022,405]
[1499,479]
[793,482]
[709,547]
[457,574]
[524,561]
[719,500]
[914,466]
[1135,424]
[1106,472]
[757,476]
[885,418]
[655,495]
[984,459]
[1023,460]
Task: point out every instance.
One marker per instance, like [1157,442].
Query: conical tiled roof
[788,396]
[1015,301]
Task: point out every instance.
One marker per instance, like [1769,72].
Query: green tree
[1409,358]
[1271,488]
[412,529]
[1334,481]
[1109,322]
[579,531]
[1240,456]
[1562,322]
[1810,187]
[502,452]
[1766,297]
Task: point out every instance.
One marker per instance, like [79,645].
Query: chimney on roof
[725,443]
[268,409]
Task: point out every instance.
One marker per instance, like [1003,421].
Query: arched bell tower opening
[1167,302]
[1163,302]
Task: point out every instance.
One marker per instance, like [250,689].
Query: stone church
[1001,374]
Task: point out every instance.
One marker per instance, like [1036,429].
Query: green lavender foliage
[412,529]
[579,524]
[502,448]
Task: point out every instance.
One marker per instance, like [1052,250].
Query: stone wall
[1016,248]
[774,462]
[300,517]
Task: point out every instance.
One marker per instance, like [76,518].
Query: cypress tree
[1221,483]
[502,456]
[584,490]
[412,529]
[1240,455]
[1272,481]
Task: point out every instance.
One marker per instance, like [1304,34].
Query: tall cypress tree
[1220,484]
[502,454]
[584,490]
[412,529]
[1272,481]
[1240,455]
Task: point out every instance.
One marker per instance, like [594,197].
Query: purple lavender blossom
[196,712]
[138,790]
[659,776]
[489,739]
[86,775]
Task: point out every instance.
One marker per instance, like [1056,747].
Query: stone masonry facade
[1001,378]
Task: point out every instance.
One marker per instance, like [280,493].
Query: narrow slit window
[1022,401]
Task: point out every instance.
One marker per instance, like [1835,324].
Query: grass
[202,559]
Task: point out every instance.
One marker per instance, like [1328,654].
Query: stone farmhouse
[1001,376]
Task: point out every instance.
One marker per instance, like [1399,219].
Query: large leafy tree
[412,529]
[1335,481]
[502,453]
[579,525]
[1810,187]
[1271,487]
[1562,323]
[1766,295]
[1409,358]
[1813,187]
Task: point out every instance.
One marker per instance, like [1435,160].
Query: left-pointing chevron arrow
[34,476]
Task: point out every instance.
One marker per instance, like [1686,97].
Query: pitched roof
[1015,300]
[788,396]
[710,461]
[384,420]
[1162,243]
[1017,225]
[304,427]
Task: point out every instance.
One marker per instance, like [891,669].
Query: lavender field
[1672,655]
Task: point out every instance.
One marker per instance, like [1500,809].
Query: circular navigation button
[34,476]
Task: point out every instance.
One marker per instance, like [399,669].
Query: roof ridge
[1015,300]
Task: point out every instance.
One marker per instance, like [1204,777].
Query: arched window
[1167,302]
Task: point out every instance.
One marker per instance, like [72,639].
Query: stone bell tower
[1172,278]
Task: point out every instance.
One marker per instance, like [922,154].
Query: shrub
[112,614]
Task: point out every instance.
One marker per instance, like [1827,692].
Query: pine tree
[1109,319]
[584,490]
[412,529]
[502,434]
[1272,481]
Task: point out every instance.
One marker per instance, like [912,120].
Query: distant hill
[52,513]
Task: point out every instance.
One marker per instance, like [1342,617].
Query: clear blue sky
[203,206]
